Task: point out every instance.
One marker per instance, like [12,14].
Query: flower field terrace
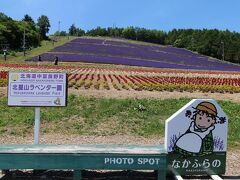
[103,77]
[106,51]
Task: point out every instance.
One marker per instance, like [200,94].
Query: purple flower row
[130,61]
[134,45]
[119,52]
[138,52]
[123,51]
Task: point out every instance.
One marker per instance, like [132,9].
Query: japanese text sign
[37,89]
[196,138]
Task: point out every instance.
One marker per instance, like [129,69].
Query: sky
[151,14]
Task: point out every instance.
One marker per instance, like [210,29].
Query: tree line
[25,33]
[211,42]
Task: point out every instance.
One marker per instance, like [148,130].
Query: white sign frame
[37,89]
[196,138]
[178,124]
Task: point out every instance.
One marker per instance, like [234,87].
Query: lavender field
[122,52]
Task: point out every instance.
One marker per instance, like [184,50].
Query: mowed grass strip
[105,117]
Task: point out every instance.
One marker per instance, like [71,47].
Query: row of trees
[215,43]
[219,44]
[25,33]
[135,33]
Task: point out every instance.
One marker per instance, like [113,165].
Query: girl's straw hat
[208,107]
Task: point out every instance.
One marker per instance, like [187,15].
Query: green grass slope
[104,117]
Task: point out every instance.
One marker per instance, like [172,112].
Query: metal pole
[5,54]
[59,30]
[223,50]
[37,125]
[24,42]
[59,26]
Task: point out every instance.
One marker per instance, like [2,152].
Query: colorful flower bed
[3,78]
[92,77]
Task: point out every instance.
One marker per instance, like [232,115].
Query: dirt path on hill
[154,94]
[146,94]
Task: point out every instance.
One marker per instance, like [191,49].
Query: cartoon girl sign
[198,129]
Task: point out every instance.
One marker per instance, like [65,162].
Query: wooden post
[77,175]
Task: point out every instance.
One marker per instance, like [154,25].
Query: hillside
[118,51]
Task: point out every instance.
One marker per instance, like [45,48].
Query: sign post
[37,125]
[5,54]
[37,90]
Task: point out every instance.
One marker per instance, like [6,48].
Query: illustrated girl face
[204,120]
